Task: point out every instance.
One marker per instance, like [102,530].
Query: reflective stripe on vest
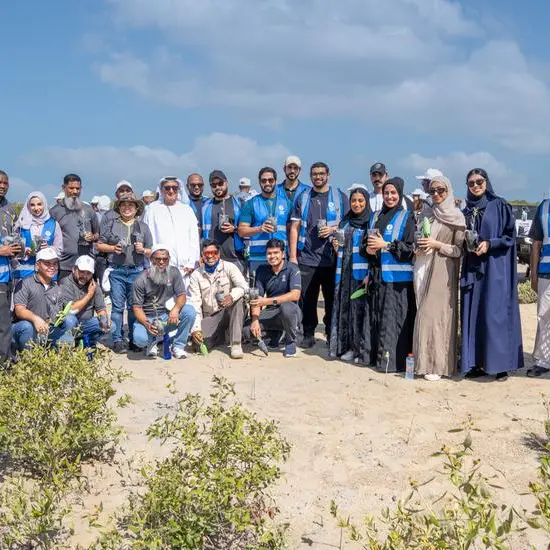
[207,222]
[392,270]
[334,213]
[360,266]
[259,241]
[26,267]
[544,261]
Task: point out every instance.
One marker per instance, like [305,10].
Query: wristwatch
[275,303]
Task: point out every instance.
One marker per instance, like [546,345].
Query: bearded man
[78,222]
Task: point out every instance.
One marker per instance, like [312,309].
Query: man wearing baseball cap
[147,197]
[379,176]
[37,303]
[292,186]
[87,301]
[245,190]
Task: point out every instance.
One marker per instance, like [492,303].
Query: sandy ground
[357,435]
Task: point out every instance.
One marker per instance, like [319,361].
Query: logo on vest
[47,233]
[389,228]
[281,208]
[331,206]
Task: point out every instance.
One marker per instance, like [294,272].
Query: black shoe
[134,347]
[119,347]
[536,371]
[474,373]
[501,376]
[308,342]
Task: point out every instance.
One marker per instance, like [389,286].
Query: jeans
[23,332]
[87,330]
[142,338]
[122,279]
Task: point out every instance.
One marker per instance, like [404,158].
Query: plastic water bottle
[409,367]
[166,353]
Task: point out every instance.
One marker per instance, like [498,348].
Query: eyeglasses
[169,188]
[267,180]
[318,174]
[474,183]
[217,184]
[437,191]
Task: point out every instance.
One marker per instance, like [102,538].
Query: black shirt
[276,284]
[225,240]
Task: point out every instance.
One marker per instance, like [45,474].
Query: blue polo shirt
[272,284]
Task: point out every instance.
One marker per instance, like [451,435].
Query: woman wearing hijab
[389,317]
[491,325]
[347,334]
[436,285]
[38,230]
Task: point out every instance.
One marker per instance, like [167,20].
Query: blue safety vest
[299,190]
[392,270]
[4,265]
[194,206]
[334,212]
[258,242]
[360,266]
[544,261]
[207,222]
[26,267]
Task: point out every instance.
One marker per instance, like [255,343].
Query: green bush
[210,492]
[526,294]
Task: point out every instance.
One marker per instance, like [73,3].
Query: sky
[141,89]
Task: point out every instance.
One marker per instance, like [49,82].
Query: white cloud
[399,62]
[20,188]
[456,165]
[237,156]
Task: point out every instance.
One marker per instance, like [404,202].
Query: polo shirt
[71,291]
[36,297]
[272,284]
[147,294]
[72,222]
[116,230]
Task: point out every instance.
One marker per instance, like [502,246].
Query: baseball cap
[244,182]
[357,186]
[47,253]
[378,167]
[216,175]
[95,199]
[85,263]
[418,192]
[430,174]
[147,193]
[293,159]
[124,183]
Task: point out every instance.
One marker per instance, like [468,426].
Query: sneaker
[152,350]
[348,356]
[119,347]
[290,350]
[236,351]
[432,377]
[308,342]
[179,353]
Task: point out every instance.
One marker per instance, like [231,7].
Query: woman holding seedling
[438,249]
[38,230]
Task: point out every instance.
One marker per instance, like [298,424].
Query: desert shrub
[526,294]
[210,492]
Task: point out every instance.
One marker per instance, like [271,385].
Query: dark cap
[71,177]
[216,175]
[378,167]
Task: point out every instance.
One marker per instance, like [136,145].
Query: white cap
[158,247]
[244,182]
[60,195]
[293,159]
[147,193]
[430,174]
[124,183]
[95,199]
[418,192]
[47,253]
[85,263]
[357,186]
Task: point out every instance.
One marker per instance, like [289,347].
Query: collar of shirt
[37,279]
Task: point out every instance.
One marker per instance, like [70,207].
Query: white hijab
[26,218]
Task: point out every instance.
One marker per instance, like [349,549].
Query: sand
[357,436]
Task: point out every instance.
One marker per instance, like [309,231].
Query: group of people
[220,270]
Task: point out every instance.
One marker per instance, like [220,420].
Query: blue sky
[138,89]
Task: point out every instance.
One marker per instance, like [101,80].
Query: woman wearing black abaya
[389,317]
[347,334]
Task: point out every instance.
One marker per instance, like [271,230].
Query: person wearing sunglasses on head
[436,266]
[220,219]
[173,223]
[491,325]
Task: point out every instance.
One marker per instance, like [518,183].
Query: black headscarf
[386,214]
[478,202]
[360,220]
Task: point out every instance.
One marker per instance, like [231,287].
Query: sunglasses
[171,188]
[474,183]
[267,180]
[217,184]
[210,254]
[437,191]
[160,260]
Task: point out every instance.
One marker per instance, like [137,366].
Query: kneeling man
[279,286]
[216,291]
[159,297]
[37,301]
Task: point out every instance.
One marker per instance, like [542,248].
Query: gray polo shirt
[72,223]
[146,293]
[71,291]
[115,230]
[44,301]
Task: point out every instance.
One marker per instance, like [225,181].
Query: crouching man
[216,292]
[37,301]
[159,300]
[279,286]
[88,305]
